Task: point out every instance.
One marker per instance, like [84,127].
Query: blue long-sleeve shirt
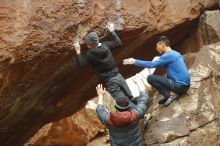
[174,64]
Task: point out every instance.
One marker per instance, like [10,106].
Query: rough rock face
[210,4]
[205,32]
[194,119]
[209,24]
[76,130]
[38,81]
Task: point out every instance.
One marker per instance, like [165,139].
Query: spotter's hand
[100,91]
[129,61]
[137,80]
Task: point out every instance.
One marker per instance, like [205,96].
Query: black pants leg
[118,87]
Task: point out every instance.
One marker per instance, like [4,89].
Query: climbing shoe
[134,100]
[171,99]
[147,118]
[162,101]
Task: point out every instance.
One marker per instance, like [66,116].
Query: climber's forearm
[81,60]
[115,43]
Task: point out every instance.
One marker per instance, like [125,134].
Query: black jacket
[100,58]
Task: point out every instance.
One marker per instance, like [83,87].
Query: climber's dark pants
[118,87]
[165,85]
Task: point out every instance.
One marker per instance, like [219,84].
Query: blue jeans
[165,85]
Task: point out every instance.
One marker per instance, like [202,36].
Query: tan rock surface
[38,81]
[210,22]
[76,130]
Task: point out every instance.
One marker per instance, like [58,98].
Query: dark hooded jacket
[124,126]
[100,58]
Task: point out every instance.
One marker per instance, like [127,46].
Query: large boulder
[209,27]
[195,118]
[76,130]
[38,81]
[210,4]
[205,32]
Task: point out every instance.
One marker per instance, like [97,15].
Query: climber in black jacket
[100,58]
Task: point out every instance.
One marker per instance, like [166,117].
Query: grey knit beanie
[92,38]
[122,104]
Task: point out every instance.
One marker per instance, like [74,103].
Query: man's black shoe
[134,100]
[162,101]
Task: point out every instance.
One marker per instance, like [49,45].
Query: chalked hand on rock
[111,27]
[77,47]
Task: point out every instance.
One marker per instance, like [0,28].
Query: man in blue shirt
[177,81]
